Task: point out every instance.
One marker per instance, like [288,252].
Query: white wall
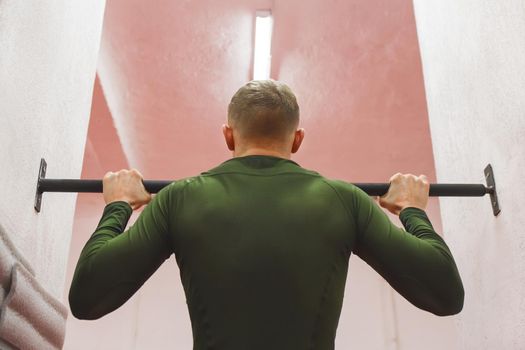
[473,55]
[48,54]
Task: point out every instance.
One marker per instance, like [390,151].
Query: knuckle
[396,177]
[412,178]
[421,179]
[109,175]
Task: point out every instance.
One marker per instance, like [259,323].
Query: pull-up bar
[372,189]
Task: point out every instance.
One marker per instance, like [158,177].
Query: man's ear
[228,136]
[298,139]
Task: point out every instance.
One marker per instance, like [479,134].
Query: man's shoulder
[181,183]
[339,185]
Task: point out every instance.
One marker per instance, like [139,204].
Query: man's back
[263,247]
[266,244]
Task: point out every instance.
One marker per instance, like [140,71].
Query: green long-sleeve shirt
[263,247]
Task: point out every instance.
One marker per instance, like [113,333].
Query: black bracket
[41,175]
[491,185]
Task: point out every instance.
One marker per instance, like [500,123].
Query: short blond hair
[264,110]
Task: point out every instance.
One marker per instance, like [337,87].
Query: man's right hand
[406,190]
[125,185]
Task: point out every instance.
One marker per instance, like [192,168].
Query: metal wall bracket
[41,175]
[491,185]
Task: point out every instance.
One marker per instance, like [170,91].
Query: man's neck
[262,152]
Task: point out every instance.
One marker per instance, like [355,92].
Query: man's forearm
[83,296]
[442,271]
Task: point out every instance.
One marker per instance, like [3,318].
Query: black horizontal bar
[154,186]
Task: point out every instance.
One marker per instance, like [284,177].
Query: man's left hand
[125,185]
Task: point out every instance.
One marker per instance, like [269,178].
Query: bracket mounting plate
[41,175]
[491,184]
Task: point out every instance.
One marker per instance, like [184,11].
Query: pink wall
[474,63]
[48,58]
[168,79]
[168,72]
[45,96]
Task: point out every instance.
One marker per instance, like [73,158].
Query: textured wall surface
[473,57]
[48,54]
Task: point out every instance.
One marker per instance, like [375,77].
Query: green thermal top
[263,246]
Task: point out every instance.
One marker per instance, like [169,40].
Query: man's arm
[114,264]
[417,262]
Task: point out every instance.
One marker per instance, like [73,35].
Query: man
[262,243]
